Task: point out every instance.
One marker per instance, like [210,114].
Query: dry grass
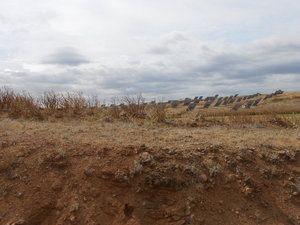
[51,106]
[284,118]
[198,152]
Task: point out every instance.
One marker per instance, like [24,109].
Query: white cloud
[171,48]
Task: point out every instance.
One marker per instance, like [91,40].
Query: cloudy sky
[162,48]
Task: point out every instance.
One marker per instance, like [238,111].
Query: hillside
[206,166]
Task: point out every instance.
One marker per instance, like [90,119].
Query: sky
[166,49]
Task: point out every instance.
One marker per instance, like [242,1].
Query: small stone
[20,222]
[145,157]
[88,172]
[203,178]
[199,218]
[221,202]
[75,207]
[187,210]
[292,179]
[56,185]
[249,191]
[295,193]
[95,192]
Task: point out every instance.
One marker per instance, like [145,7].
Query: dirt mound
[51,181]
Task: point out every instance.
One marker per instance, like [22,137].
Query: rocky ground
[87,172]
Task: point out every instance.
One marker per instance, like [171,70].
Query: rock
[172,152]
[61,164]
[72,218]
[56,185]
[75,207]
[142,147]
[260,217]
[187,210]
[249,191]
[203,178]
[95,192]
[249,182]
[199,218]
[20,222]
[88,172]
[145,157]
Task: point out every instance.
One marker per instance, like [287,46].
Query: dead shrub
[114,110]
[133,106]
[74,104]
[157,112]
[283,121]
[18,104]
[129,107]
[50,101]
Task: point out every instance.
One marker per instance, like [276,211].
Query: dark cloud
[65,56]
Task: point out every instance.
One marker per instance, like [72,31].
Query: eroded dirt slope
[47,178]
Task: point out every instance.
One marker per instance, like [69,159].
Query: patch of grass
[136,169]
[61,153]
[3,190]
[214,170]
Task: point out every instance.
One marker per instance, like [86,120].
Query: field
[68,160]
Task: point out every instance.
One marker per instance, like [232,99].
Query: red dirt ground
[50,179]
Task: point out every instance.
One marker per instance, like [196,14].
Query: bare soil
[135,173]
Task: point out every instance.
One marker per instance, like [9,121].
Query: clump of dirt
[127,184]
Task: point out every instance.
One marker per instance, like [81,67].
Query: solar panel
[237,106]
[239,99]
[162,104]
[218,104]
[175,104]
[225,102]
[191,106]
[256,102]
[187,101]
[279,92]
[207,104]
[232,100]
[249,104]
[209,98]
